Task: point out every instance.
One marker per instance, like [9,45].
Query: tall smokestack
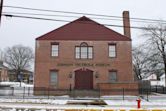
[126,24]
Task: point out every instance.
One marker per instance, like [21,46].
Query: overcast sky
[24,31]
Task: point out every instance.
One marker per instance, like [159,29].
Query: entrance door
[83,79]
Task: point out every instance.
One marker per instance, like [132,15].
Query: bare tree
[18,58]
[1,55]
[156,43]
[139,62]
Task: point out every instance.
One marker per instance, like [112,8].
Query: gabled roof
[162,76]
[2,66]
[13,71]
[84,29]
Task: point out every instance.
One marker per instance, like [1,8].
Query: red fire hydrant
[138,103]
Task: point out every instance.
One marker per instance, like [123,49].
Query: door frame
[92,72]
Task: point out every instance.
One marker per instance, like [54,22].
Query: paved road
[63,107]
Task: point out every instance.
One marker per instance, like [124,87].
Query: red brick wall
[44,62]
[4,74]
[119,88]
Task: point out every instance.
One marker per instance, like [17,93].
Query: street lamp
[70,75]
[97,75]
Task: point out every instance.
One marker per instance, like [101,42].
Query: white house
[162,80]
[153,80]
[151,77]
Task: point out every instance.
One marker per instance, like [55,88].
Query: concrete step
[85,93]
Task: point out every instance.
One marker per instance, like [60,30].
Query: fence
[47,93]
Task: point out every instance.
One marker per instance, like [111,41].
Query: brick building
[25,75]
[3,72]
[84,55]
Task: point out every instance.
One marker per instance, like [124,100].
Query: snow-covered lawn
[65,101]
[55,103]
[16,84]
[51,105]
[14,88]
[132,102]
[34,101]
[23,98]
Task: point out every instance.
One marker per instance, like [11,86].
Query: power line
[8,15]
[56,15]
[39,14]
[68,12]
[38,18]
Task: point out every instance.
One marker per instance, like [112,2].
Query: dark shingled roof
[84,29]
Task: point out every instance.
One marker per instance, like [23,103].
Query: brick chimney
[126,24]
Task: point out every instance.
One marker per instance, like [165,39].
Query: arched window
[84,44]
[84,51]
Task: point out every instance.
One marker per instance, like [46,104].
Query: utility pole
[1,6]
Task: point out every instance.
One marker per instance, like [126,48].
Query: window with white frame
[54,49]
[112,50]
[53,78]
[77,52]
[84,51]
[112,76]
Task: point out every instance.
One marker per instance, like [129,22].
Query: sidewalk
[78,107]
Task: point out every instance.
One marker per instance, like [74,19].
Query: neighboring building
[154,81]
[31,78]
[3,72]
[162,80]
[25,76]
[84,55]
[152,78]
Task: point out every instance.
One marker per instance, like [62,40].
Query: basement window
[112,76]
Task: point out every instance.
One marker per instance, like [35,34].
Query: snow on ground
[64,101]
[16,84]
[129,102]
[15,88]
[52,107]
[34,101]
[44,104]
[14,109]
[116,102]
